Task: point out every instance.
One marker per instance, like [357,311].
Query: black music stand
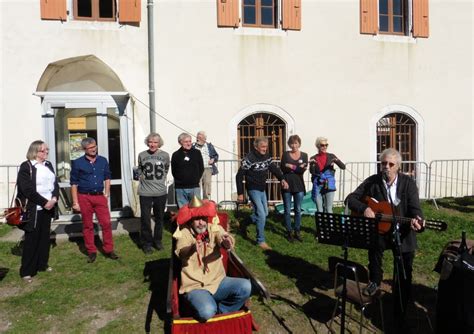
[346,231]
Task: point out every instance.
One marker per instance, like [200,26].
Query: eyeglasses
[385,163]
[90,147]
[44,151]
[323,145]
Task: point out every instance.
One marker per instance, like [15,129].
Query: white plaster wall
[29,44]
[328,77]
[331,80]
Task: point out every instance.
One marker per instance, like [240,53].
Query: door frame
[100,101]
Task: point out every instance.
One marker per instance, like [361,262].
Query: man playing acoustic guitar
[400,194]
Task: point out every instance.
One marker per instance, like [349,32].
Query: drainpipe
[151,65]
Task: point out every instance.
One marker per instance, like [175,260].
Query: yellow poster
[76,123]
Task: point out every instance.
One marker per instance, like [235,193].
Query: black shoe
[371,289]
[289,237]
[112,256]
[148,250]
[91,257]
[298,236]
[158,245]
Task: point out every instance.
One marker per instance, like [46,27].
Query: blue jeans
[297,199]
[229,297]
[260,212]
[184,196]
[324,201]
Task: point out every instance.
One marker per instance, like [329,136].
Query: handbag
[15,215]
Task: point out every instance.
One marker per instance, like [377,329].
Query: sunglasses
[385,163]
[323,145]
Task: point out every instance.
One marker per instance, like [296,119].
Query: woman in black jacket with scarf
[39,191]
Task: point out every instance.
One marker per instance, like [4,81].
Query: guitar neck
[436,225]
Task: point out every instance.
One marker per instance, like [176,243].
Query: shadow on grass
[79,241]
[462,204]
[133,225]
[156,273]
[308,276]
[243,221]
[420,313]
[3,272]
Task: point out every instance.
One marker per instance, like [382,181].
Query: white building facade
[366,74]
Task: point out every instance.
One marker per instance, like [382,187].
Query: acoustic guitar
[383,212]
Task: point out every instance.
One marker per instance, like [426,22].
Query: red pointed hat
[196,208]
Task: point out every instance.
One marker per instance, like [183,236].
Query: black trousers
[401,285]
[36,245]
[158,203]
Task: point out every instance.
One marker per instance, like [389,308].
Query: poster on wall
[75,149]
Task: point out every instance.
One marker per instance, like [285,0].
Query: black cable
[177,126]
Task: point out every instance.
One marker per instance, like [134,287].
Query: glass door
[71,125]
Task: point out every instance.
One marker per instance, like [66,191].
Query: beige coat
[210,272]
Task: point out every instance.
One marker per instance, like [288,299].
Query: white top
[44,181]
[392,191]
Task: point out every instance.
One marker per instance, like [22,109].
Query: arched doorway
[266,125]
[399,131]
[83,97]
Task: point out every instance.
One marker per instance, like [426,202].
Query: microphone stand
[397,250]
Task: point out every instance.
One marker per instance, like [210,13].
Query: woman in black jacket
[39,191]
[293,165]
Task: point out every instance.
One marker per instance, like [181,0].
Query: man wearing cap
[204,283]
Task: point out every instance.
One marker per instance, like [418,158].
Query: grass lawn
[113,296]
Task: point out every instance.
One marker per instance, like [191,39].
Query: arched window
[267,125]
[398,130]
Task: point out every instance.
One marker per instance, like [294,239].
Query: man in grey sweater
[153,166]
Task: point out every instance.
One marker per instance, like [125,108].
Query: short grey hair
[393,152]
[87,141]
[33,150]
[154,135]
[259,140]
[183,136]
[202,133]
[319,140]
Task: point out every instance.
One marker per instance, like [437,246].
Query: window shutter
[368,17]
[291,14]
[420,18]
[53,10]
[130,11]
[228,13]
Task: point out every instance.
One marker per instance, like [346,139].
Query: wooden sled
[240,322]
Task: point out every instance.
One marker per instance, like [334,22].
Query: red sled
[239,322]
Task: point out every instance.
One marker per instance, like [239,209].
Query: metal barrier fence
[451,178]
[8,175]
[356,172]
[441,178]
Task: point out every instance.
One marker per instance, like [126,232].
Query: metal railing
[439,178]
[451,178]
[356,172]
[8,174]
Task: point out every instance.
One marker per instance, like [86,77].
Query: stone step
[63,230]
